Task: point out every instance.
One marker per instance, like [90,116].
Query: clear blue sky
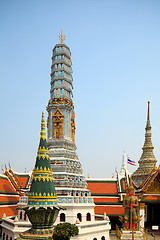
[115,47]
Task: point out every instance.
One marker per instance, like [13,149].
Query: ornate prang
[147,161]
[62,37]
[66,167]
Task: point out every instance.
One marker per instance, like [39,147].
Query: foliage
[64,231]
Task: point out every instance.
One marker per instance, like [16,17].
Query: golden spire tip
[62,37]
[43,133]
[148,111]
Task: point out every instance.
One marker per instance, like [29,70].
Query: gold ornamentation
[47,127]
[73,127]
[5,167]
[40,195]
[57,124]
[62,37]
[154,186]
[42,151]
[116,172]
[2,168]
[42,156]
[43,133]
[9,165]
[39,178]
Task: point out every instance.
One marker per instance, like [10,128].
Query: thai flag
[133,163]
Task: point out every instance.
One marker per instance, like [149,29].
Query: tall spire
[42,186]
[67,170]
[147,161]
[42,208]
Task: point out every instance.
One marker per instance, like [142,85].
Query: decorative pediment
[58,115]
[153,185]
[58,124]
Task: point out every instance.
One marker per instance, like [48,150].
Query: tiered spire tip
[43,132]
[62,37]
[148,111]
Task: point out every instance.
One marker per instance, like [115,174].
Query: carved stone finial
[105,216]
[16,219]
[77,221]
[62,37]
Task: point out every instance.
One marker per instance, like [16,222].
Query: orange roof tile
[7,198]
[152,197]
[103,187]
[109,210]
[124,185]
[5,186]
[106,200]
[23,180]
[9,211]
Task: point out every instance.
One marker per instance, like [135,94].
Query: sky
[115,46]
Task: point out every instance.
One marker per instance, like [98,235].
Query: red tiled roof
[8,210]
[23,180]
[124,185]
[9,198]
[114,200]
[5,186]
[152,197]
[110,210]
[102,187]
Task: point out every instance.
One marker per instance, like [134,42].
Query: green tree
[64,231]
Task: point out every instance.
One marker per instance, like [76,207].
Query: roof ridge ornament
[62,37]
